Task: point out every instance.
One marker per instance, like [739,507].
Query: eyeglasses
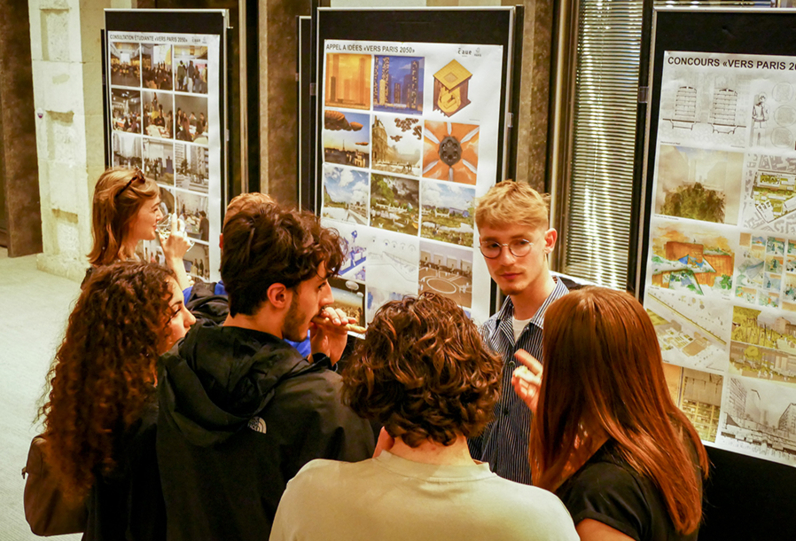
[517,247]
[138,177]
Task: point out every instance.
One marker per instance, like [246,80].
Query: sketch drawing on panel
[758,418]
[692,331]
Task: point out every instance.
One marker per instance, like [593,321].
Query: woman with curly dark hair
[99,417]
[424,373]
[125,210]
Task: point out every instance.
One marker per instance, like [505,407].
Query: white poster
[410,139]
[721,263]
[166,121]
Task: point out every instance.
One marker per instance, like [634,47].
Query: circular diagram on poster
[782,92]
[441,286]
[782,138]
[785,115]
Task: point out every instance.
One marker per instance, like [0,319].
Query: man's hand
[330,336]
[174,249]
[527,379]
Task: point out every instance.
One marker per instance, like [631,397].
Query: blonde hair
[246,201]
[118,196]
[510,202]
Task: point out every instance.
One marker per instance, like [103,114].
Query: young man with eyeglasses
[515,239]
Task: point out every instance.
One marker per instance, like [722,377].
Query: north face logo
[257,424]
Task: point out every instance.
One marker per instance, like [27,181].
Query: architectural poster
[721,264]
[410,139]
[165,119]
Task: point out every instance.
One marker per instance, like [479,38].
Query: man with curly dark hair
[424,373]
[240,410]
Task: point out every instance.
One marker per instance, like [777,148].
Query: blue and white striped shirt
[504,443]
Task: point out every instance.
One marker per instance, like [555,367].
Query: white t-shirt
[519,325]
[391,498]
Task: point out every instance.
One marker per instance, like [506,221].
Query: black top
[240,413]
[128,503]
[608,490]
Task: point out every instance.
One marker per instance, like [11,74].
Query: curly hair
[268,245]
[118,196]
[104,371]
[424,372]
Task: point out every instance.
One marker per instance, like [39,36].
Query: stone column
[67,84]
[278,98]
[18,163]
[531,119]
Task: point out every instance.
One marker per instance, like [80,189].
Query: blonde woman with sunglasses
[125,211]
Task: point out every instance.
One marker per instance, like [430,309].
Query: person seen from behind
[424,373]
[606,436]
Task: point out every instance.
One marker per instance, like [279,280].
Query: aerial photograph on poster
[447,270]
[699,260]
[346,138]
[159,161]
[448,212]
[770,193]
[348,80]
[345,194]
[398,84]
[763,344]
[759,418]
[396,144]
[125,64]
[699,184]
[450,151]
[394,204]
[692,331]
[698,395]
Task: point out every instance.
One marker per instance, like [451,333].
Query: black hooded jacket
[240,413]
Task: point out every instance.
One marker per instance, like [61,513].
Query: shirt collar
[507,311]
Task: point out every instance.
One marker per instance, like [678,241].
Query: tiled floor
[34,307]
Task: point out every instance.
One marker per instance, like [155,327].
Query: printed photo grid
[401,167]
[159,124]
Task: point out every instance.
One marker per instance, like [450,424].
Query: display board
[718,252]
[165,93]
[410,132]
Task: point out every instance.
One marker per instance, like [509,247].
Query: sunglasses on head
[138,177]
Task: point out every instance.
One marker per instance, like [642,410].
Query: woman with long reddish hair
[126,209]
[100,413]
[606,435]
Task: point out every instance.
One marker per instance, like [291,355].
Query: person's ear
[279,296]
[550,237]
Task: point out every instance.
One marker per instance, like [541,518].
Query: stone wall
[67,82]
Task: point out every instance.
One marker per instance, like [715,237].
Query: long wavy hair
[424,372]
[104,372]
[118,196]
[603,378]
